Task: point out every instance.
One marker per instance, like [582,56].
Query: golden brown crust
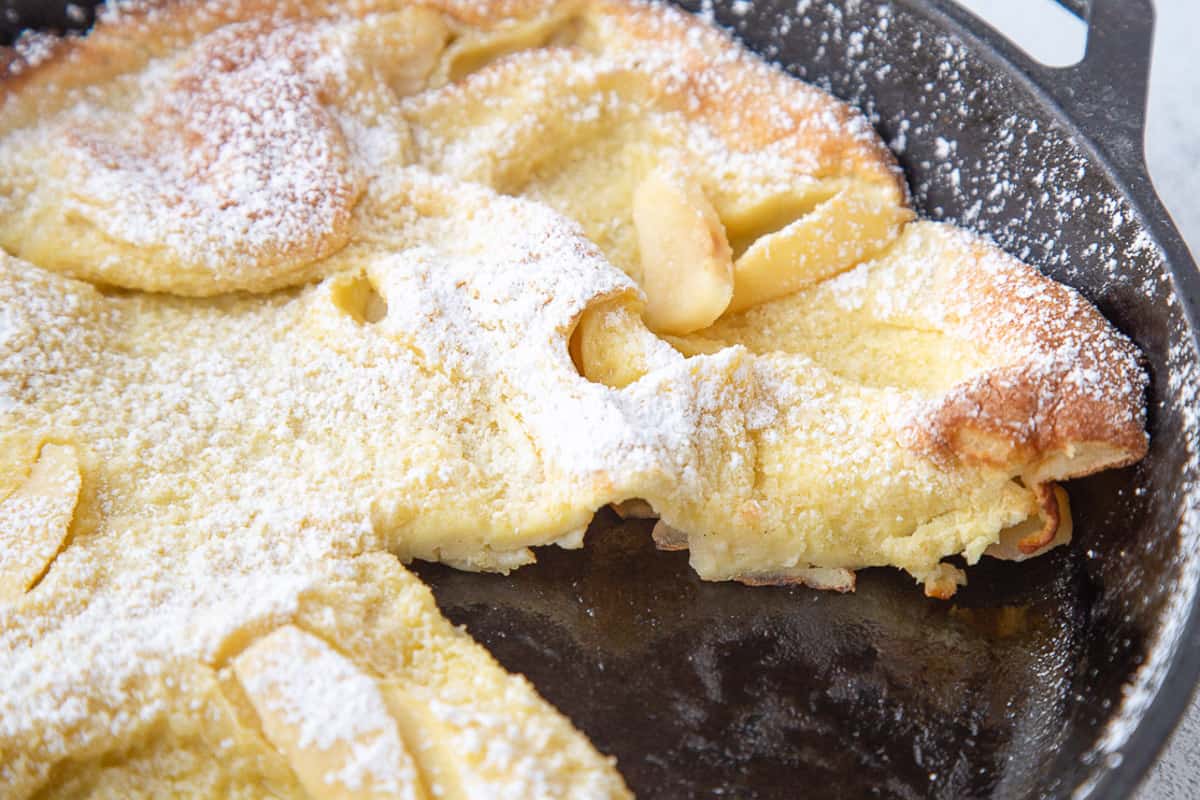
[753,106]
[686,66]
[1013,370]
[1047,497]
[748,104]
[22,66]
[127,34]
[1062,396]
[1071,403]
[152,27]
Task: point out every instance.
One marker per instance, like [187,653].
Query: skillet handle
[1105,93]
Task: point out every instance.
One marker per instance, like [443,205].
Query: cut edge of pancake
[986,421]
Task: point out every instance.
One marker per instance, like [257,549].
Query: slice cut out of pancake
[382,289]
[230,496]
[1057,396]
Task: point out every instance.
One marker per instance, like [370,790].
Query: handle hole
[1044,29]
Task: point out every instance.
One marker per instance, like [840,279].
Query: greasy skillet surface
[707,689]
[716,689]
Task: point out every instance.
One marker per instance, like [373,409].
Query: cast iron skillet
[1059,677]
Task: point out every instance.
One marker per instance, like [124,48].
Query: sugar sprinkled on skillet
[431,286]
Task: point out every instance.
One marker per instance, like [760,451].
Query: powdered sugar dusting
[1140,693]
[183,394]
[980,158]
[321,701]
[32,49]
[237,148]
[468,369]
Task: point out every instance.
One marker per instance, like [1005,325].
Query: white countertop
[1173,153]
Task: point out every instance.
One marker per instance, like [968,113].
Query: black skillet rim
[1116,145]
[1113,140]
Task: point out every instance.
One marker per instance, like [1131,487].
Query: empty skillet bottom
[703,689]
